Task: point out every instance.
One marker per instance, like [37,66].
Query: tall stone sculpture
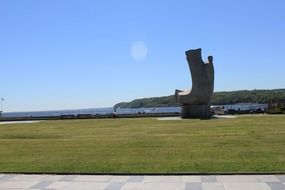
[195,103]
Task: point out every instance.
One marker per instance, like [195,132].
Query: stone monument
[195,103]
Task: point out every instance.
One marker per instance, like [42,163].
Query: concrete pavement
[134,182]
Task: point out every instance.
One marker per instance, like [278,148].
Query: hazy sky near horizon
[69,54]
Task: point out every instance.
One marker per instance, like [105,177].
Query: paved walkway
[108,182]
[17,122]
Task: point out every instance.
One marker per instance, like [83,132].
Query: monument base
[196,111]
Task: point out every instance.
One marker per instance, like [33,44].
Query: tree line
[219,98]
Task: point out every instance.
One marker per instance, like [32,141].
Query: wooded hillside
[219,98]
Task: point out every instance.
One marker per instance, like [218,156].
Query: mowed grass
[243,144]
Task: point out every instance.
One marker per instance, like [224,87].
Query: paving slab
[164,186]
[161,179]
[119,178]
[141,182]
[6,177]
[136,178]
[28,177]
[276,185]
[209,178]
[114,186]
[42,185]
[267,178]
[59,185]
[99,178]
[54,177]
[193,186]
[281,178]
[78,185]
[132,186]
[17,184]
[237,178]
[67,178]
[212,186]
[191,179]
[246,186]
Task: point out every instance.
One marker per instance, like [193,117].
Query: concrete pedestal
[196,111]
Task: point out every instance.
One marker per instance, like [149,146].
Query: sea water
[93,111]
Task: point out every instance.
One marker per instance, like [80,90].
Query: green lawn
[243,144]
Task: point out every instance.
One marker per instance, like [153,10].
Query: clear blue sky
[65,54]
